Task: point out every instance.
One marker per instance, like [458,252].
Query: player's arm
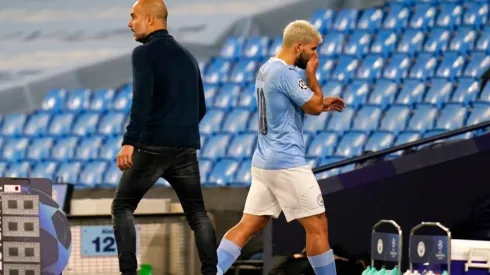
[142,93]
[298,91]
[315,105]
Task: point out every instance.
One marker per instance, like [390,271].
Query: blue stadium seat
[232,48]
[379,141]
[54,101]
[313,124]
[112,175]
[480,113]
[205,167]
[92,173]
[236,121]
[15,149]
[466,91]
[345,20]
[404,138]
[423,17]
[311,162]
[13,124]
[64,148]
[450,15]
[424,67]
[110,148]
[351,144]
[440,92]
[3,168]
[248,98]
[395,119]
[111,123]
[256,47]
[253,123]
[88,148]
[397,17]
[452,117]
[329,173]
[478,65]
[412,92]
[18,170]
[356,93]
[218,71]
[275,46]
[341,122]
[325,68]
[78,100]
[243,175]
[223,172]
[242,146]
[431,133]
[37,124]
[370,19]
[485,94]
[367,118]
[323,144]
[476,14]
[451,66]
[39,149]
[216,146]
[333,44]
[210,92]
[61,124]
[384,43]
[68,172]
[411,42]
[45,170]
[86,124]
[345,69]
[397,68]
[322,19]
[371,67]
[227,96]
[244,71]
[211,123]
[423,118]
[101,100]
[437,41]
[483,42]
[463,40]
[358,44]
[332,88]
[122,99]
[384,93]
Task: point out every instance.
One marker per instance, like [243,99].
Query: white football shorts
[294,191]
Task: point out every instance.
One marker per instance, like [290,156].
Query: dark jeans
[179,166]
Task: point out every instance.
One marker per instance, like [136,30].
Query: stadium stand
[407,70]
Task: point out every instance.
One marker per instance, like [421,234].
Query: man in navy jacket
[162,136]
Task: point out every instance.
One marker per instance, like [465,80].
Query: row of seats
[372,67]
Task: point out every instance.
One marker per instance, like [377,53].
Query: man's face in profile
[138,22]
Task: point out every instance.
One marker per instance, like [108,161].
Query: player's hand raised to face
[312,63]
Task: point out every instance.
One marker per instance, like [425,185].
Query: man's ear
[297,47]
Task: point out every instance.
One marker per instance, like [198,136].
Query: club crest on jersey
[302,85]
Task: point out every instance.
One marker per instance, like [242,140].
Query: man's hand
[312,64]
[333,104]
[124,158]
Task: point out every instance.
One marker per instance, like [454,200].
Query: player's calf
[320,255]
[235,239]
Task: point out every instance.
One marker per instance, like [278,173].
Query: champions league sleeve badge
[302,85]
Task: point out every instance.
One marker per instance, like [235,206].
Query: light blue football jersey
[281,92]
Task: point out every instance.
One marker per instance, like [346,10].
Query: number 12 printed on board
[99,241]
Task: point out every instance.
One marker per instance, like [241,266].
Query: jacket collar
[152,35]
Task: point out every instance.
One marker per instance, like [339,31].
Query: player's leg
[132,187]
[260,206]
[300,197]
[185,178]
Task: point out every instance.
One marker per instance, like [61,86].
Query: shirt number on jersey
[262,112]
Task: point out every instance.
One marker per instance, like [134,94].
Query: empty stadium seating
[407,70]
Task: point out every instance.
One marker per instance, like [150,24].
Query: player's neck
[286,57]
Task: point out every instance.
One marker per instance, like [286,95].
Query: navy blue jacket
[168,97]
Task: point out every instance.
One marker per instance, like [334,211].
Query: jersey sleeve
[294,87]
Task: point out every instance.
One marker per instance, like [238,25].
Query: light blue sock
[228,252]
[323,264]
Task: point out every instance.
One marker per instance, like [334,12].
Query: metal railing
[402,147]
